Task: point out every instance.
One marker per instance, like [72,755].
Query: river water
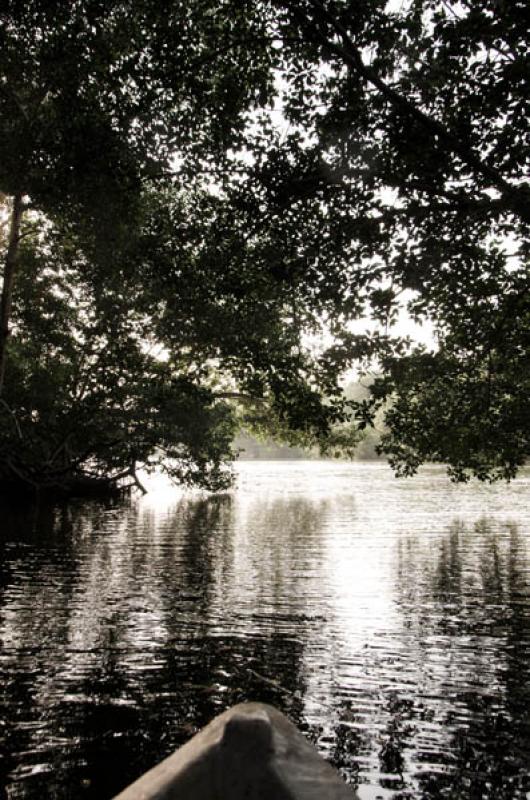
[389,619]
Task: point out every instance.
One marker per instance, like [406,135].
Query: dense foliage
[99,101]
[403,181]
[202,199]
[88,397]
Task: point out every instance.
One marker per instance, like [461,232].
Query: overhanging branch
[516,197]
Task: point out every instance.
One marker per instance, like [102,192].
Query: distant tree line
[344,441]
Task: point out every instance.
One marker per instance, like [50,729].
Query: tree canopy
[202,200]
[404,179]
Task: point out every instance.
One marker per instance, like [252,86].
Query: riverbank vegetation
[200,201]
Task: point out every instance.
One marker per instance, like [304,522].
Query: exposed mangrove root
[23,480]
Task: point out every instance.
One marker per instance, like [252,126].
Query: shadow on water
[108,659]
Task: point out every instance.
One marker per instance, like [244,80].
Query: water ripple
[389,619]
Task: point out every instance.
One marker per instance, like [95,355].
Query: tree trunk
[9,277]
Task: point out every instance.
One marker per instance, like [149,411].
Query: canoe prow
[251,751]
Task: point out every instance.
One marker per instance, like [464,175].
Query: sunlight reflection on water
[390,619]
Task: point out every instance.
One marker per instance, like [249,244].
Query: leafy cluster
[406,181]
[88,397]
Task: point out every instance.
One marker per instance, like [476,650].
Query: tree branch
[517,198]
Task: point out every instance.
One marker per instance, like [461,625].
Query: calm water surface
[390,619]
